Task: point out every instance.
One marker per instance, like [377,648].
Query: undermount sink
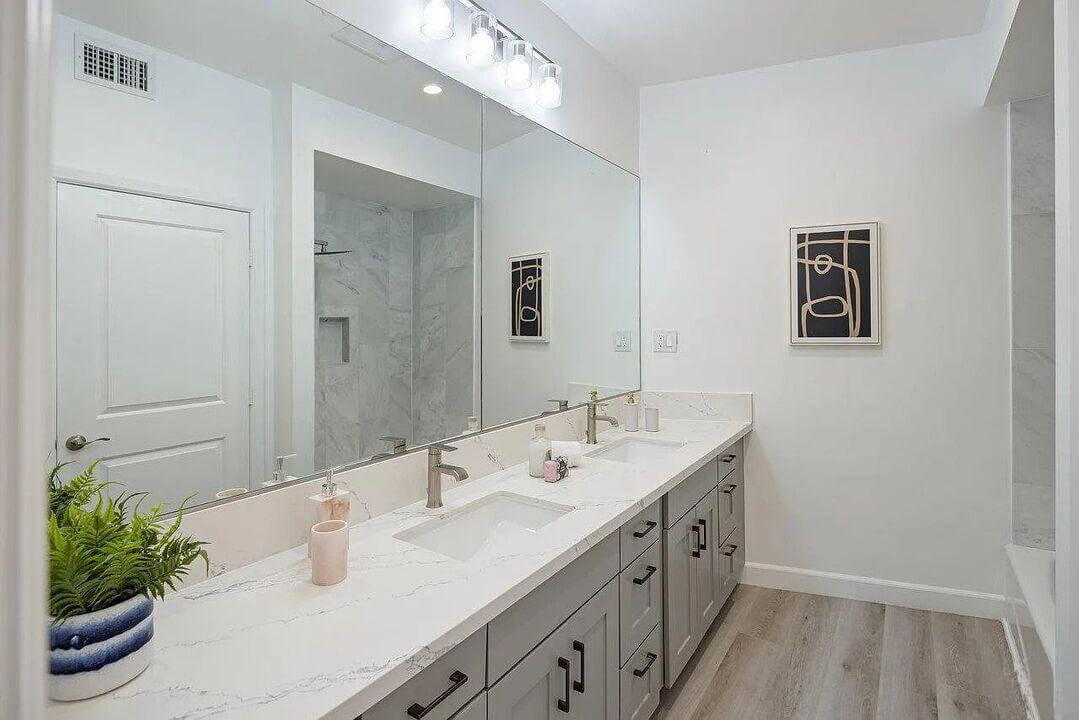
[637,450]
[496,521]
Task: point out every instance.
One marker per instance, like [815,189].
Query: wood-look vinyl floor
[775,654]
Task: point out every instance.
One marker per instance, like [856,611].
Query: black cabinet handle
[642,580]
[563,705]
[640,672]
[579,647]
[728,458]
[696,552]
[730,555]
[457,679]
[704,528]
[641,533]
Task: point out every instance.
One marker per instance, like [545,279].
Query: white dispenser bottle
[539,450]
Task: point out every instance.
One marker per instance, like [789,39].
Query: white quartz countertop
[264,642]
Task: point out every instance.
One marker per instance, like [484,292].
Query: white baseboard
[889,592]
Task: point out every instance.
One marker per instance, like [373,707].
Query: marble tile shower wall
[443,295]
[363,306]
[1033,347]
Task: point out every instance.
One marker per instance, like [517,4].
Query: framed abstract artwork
[835,285]
[530,293]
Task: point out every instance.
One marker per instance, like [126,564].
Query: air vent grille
[102,64]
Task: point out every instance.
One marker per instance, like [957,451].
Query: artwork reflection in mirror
[265,242]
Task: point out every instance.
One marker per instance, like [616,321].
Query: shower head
[321,246]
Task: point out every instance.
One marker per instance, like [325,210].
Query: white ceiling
[655,42]
[365,183]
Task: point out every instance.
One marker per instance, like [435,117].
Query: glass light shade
[482,39]
[550,86]
[518,64]
[437,22]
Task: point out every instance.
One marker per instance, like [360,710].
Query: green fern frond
[104,550]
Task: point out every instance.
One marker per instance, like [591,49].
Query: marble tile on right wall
[1032,156]
[1033,282]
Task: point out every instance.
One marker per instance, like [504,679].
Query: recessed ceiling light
[432,89]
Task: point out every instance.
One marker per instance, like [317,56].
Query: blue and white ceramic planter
[96,652]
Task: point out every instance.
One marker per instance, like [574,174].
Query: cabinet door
[681,542]
[708,581]
[593,635]
[542,686]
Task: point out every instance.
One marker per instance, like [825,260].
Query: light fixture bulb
[437,20]
[432,89]
[481,49]
[550,93]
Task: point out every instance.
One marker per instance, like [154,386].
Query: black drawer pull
[641,672]
[563,705]
[704,529]
[728,459]
[579,647]
[730,555]
[457,679]
[696,552]
[642,580]
[641,533]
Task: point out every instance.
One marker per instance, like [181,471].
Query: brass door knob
[78,442]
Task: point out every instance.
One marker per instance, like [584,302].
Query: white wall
[328,125]
[206,133]
[882,462]
[601,106]
[543,194]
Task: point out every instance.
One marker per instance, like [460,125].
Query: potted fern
[108,560]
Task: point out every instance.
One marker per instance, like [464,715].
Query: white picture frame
[829,265]
[521,313]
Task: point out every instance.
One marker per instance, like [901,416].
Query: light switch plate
[665,341]
[623,341]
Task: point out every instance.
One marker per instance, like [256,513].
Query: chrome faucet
[436,469]
[590,433]
[562,405]
[399,445]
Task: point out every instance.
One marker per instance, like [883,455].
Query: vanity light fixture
[437,19]
[482,40]
[550,85]
[432,89]
[518,64]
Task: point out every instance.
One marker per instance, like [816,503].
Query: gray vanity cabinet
[693,581]
[573,674]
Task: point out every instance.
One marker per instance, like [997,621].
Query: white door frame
[26,293]
[261,417]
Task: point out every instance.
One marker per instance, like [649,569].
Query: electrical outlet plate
[623,341]
[665,341]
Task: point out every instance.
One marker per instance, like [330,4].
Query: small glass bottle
[539,450]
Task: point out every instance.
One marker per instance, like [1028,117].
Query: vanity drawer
[689,492]
[731,460]
[732,561]
[640,532]
[732,504]
[642,678]
[640,599]
[525,624]
[445,686]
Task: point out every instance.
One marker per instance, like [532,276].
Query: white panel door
[153,341]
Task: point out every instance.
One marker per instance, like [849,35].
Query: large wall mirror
[283,245]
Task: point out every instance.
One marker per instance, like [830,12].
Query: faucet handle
[562,404]
[279,461]
[440,447]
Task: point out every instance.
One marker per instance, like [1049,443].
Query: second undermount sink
[636,450]
[495,521]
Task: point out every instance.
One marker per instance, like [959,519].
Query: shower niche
[396,315]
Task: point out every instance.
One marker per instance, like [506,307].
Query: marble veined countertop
[263,642]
